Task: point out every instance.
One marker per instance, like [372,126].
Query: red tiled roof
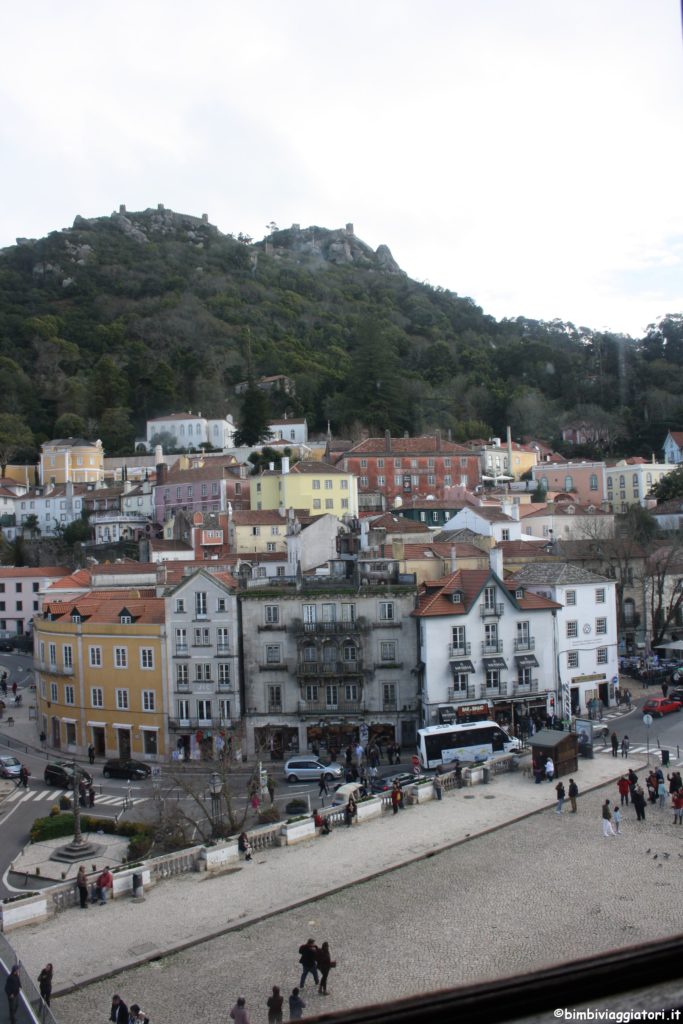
[121,568]
[427,444]
[44,570]
[435,596]
[79,578]
[437,550]
[398,524]
[95,607]
[511,548]
[677,437]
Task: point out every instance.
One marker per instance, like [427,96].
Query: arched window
[569,483]
[622,482]
[629,612]
[594,482]
[635,479]
[329,653]
[543,483]
[649,479]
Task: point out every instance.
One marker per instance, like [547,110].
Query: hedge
[58,825]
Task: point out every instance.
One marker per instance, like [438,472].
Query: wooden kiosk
[561,747]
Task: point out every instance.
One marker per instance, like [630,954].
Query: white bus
[471,741]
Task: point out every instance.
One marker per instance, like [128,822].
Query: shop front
[277,742]
[515,714]
[204,745]
[332,738]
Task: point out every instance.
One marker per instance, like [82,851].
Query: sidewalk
[190,909]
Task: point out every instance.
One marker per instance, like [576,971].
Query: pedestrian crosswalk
[638,749]
[22,795]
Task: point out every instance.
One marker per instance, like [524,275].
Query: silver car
[10,768]
[303,768]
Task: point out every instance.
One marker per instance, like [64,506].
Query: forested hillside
[125,317]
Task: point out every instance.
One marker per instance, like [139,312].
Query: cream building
[315,486]
[71,460]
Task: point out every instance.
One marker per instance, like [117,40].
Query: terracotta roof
[79,578]
[435,597]
[398,524]
[262,556]
[171,573]
[70,442]
[441,551]
[674,506]
[95,607]
[45,570]
[562,509]
[431,503]
[427,444]
[211,470]
[120,568]
[513,548]
[677,437]
[316,468]
[158,544]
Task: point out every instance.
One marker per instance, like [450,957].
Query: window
[202,636]
[275,698]
[69,694]
[523,677]
[272,613]
[53,693]
[332,696]
[363,481]
[601,655]
[122,700]
[315,484]
[204,710]
[397,463]
[505,534]
[601,626]
[183,709]
[491,636]
[317,503]
[120,657]
[223,639]
[97,697]
[273,654]
[147,658]
[224,709]
[569,483]
[190,491]
[351,692]
[492,679]
[460,682]
[311,693]
[182,675]
[398,480]
[95,657]
[593,482]
[180,605]
[572,628]
[572,659]
[221,604]
[431,480]
[200,604]
[348,613]
[149,700]
[202,672]
[600,595]
[68,654]
[458,640]
[386,611]
[204,490]
[571,597]
[387,650]
[52,653]
[329,502]
[344,485]
[223,673]
[490,598]
[328,485]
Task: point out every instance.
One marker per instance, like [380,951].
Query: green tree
[70,425]
[255,416]
[109,386]
[116,431]
[15,437]
[31,525]
[669,486]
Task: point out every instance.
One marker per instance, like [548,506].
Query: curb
[259,918]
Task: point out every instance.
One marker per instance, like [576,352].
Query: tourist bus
[471,741]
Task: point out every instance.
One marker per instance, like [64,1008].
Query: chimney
[514,511]
[271,466]
[438,440]
[509,448]
[162,473]
[387,440]
[454,559]
[285,465]
[496,561]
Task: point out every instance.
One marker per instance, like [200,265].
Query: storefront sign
[472,712]
[526,661]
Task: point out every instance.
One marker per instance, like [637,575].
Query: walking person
[24,776]
[323,790]
[607,829]
[438,784]
[616,818]
[105,885]
[677,801]
[632,780]
[549,769]
[325,963]
[573,794]
[82,886]
[350,812]
[12,990]
[605,737]
[45,983]
[625,744]
[396,796]
[309,964]
[91,754]
[559,789]
[119,1011]
[275,1002]
[270,786]
[239,1012]
[662,793]
[615,745]
[296,1005]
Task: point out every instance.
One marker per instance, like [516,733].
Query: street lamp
[215,788]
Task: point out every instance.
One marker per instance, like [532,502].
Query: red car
[660,706]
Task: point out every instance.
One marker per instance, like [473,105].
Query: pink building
[585,481]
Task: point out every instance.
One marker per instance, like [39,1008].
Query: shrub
[57,825]
[296,806]
[268,815]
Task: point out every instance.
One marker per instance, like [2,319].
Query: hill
[120,318]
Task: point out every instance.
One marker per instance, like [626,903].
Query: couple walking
[313,958]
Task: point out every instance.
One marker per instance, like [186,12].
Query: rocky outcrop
[340,246]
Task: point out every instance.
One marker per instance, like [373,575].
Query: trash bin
[137,884]
[665,758]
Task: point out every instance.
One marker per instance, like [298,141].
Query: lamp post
[215,788]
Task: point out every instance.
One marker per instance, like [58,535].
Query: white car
[306,768]
[10,768]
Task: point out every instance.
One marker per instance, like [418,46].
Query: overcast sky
[527,153]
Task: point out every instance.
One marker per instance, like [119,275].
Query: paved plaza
[541,890]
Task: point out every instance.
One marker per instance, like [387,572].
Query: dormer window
[125,619]
[519,594]
[75,617]
[456,597]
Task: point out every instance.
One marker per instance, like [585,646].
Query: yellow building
[100,666]
[629,481]
[311,485]
[71,459]
[257,532]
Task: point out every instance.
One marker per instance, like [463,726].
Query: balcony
[324,628]
[329,668]
[317,708]
[182,687]
[490,610]
[273,666]
[526,643]
[224,686]
[177,724]
[54,670]
[182,651]
[222,650]
[459,650]
[492,647]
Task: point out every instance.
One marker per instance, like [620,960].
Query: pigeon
[649,851]
[667,855]
[655,857]
[659,865]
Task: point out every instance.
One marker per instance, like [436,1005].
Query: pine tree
[255,416]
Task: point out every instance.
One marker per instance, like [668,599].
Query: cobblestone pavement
[543,890]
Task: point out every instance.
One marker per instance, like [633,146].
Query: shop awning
[490,663]
[464,665]
[526,661]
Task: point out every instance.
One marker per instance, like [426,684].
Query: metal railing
[490,609]
[494,647]
[321,707]
[459,650]
[328,668]
[527,643]
[34,1006]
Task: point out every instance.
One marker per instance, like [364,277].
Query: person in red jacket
[677,800]
[624,787]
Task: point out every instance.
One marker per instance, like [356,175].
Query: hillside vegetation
[121,318]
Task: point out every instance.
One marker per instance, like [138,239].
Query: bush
[268,815]
[57,825]
[296,806]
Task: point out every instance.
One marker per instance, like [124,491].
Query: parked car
[119,768]
[660,706]
[61,773]
[6,645]
[676,694]
[9,767]
[303,768]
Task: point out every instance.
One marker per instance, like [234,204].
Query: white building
[289,429]
[567,520]
[500,522]
[487,648]
[21,595]
[191,430]
[54,507]
[203,684]
[673,447]
[586,644]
